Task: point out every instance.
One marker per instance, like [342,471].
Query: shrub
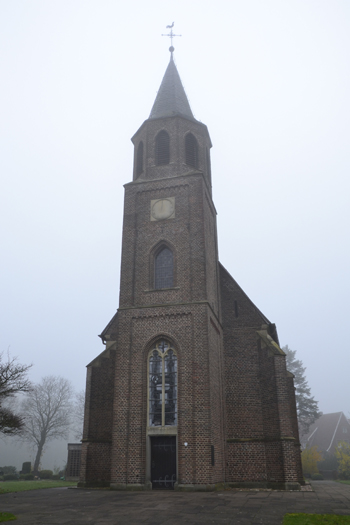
[329,462]
[10,477]
[28,477]
[7,516]
[316,476]
[310,456]
[45,474]
[8,470]
[342,453]
[55,476]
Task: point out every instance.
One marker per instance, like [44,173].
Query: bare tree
[13,380]
[79,406]
[48,413]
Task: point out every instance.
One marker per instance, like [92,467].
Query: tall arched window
[162,148]
[139,159]
[191,150]
[162,385]
[164,269]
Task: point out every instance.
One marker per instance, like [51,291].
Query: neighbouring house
[326,433]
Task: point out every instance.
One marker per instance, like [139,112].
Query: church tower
[163,406]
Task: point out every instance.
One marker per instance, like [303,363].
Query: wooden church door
[163,462]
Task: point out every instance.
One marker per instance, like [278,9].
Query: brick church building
[191,390]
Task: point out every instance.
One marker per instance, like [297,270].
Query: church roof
[111,329]
[171,98]
[236,285]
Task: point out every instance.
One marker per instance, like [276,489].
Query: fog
[271,80]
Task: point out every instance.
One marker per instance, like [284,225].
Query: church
[191,391]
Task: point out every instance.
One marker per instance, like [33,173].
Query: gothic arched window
[164,269]
[139,159]
[191,150]
[162,148]
[162,385]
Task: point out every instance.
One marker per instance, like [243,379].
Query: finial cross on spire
[171,35]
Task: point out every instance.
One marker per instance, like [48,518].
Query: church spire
[171,98]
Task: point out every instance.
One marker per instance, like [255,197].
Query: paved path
[83,507]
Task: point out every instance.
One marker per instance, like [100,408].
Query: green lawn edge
[7,487]
[344,481]
[315,519]
[7,516]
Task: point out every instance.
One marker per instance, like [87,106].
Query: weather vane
[171,35]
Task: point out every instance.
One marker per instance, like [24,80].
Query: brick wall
[97,433]
[261,417]
[199,407]
[235,400]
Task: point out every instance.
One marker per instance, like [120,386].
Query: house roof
[327,431]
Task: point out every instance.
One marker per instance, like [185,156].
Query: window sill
[161,289]
[171,429]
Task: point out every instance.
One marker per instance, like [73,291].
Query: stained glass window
[162,385]
[164,269]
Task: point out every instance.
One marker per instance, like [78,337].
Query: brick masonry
[236,400]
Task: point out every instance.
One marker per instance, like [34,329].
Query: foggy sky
[271,80]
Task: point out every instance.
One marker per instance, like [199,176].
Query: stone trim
[171,305]
[158,290]
[269,343]
[188,174]
[87,440]
[259,440]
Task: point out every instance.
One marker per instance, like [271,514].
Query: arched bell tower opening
[139,159]
[191,150]
[162,148]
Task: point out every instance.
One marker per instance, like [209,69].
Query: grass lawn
[345,481]
[7,516]
[20,486]
[315,519]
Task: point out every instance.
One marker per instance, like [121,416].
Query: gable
[327,431]
[239,310]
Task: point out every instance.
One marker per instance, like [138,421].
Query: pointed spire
[171,98]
